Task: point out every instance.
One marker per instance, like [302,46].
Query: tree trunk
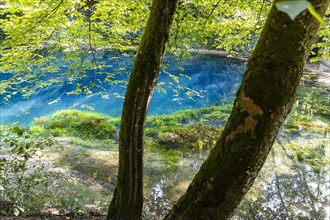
[263,101]
[127,200]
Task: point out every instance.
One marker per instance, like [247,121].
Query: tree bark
[263,101]
[127,200]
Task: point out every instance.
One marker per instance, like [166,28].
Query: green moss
[213,116]
[169,157]
[311,111]
[291,129]
[76,123]
[300,156]
[312,155]
[311,102]
[311,125]
[197,137]
[197,129]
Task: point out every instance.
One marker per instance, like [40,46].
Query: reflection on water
[165,186]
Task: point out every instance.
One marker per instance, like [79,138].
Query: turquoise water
[198,81]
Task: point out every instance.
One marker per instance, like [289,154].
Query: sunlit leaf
[312,10]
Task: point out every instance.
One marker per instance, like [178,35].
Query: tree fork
[127,200]
[263,101]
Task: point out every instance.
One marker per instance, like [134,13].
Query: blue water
[203,80]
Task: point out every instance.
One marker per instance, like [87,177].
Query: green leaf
[292,8]
[313,12]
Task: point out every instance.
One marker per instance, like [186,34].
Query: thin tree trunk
[128,196]
[263,101]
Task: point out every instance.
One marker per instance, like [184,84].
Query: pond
[183,84]
[192,103]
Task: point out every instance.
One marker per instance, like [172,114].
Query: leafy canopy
[65,37]
[48,43]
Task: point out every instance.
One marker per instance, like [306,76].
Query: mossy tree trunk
[128,196]
[263,101]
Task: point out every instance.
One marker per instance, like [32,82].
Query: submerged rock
[195,137]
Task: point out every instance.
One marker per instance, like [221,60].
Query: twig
[41,18]
[213,9]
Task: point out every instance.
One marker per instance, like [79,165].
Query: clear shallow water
[288,185]
[203,80]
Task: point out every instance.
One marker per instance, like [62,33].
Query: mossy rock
[75,123]
[196,137]
[215,116]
